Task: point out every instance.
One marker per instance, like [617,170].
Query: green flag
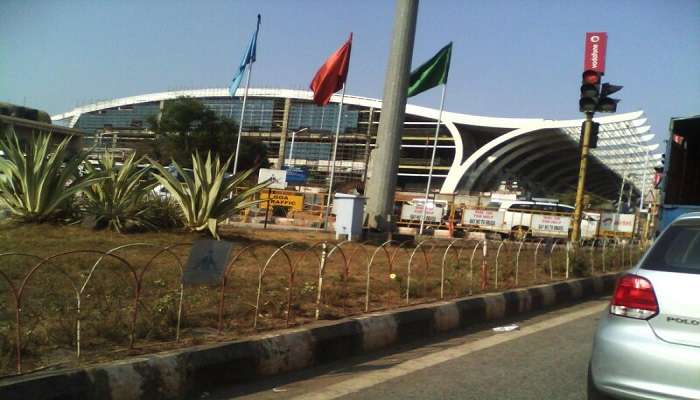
[432,73]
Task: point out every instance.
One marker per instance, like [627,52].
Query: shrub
[161,212]
[39,181]
[203,193]
[117,201]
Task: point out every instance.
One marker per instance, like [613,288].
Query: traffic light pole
[585,141]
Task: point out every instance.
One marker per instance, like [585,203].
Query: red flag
[331,76]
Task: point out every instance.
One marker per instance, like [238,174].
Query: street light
[644,178]
[291,147]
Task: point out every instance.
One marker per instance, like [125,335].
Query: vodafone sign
[594,58]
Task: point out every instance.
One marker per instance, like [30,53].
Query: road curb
[185,373]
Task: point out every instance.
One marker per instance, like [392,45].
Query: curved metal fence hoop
[18,318]
[632,248]
[444,260]
[402,246]
[471,263]
[389,261]
[321,270]
[551,264]
[537,249]
[428,265]
[224,281]
[182,286]
[410,261]
[161,250]
[461,251]
[602,260]
[261,275]
[592,254]
[498,254]
[517,261]
[358,246]
[77,292]
[405,247]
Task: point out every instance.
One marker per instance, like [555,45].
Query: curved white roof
[543,150]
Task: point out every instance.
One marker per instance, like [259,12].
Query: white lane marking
[368,379]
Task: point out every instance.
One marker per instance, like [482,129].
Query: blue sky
[511,58]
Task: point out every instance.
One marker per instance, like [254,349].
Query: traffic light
[594,97]
[605,103]
[593,138]
[590,91]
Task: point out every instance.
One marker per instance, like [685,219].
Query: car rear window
[494,204]
[520,207]
[677,250]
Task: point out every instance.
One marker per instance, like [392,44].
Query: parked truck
[680,188]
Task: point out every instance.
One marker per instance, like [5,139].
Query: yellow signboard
[294,201]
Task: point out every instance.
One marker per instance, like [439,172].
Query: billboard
[594,53]
[294,202]
[277,177]
[413,211]
[617,224]
[482,218]
[297,175]
[555,225]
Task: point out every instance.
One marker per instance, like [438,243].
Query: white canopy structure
[541,153]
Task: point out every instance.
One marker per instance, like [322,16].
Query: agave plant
[39,179]
[204,193]
[117,201]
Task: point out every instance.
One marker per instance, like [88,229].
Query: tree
[187,126]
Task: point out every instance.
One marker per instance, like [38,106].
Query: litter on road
[506,328]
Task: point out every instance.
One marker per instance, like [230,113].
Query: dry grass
[49,313]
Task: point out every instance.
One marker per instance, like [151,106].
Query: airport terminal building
[474,153]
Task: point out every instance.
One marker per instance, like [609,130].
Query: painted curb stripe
[183,373]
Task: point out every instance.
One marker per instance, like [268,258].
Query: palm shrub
[161,212]
[117,201]
[39,180]
[204,193]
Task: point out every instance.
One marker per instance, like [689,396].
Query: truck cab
[680,185]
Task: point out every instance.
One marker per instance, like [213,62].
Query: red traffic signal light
[591,77]
[594,98]
[590,90]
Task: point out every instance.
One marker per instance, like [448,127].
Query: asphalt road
[546,358]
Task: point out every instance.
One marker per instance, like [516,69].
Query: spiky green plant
[39,179]
[204,193]
[117,201]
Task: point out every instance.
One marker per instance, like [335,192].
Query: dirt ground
[282,283]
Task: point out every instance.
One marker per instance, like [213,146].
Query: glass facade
[309,115]
[131,116]
[265,118]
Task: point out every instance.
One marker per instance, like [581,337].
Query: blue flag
[248,58]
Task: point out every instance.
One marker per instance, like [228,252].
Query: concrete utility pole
[382,184]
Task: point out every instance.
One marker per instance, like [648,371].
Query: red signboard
[596,43]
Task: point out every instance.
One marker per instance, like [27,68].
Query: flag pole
[240,123]
[432,160]
[333,158]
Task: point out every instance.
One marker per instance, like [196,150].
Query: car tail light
[634,298]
